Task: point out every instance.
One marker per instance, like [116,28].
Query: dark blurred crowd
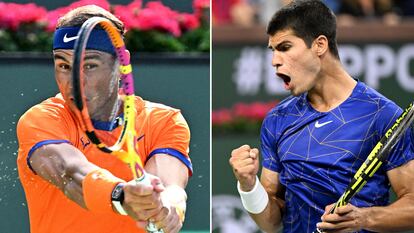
[251,12]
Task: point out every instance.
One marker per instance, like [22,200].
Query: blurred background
[170,44]
[375,43]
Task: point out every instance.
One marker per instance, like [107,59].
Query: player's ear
[320,45]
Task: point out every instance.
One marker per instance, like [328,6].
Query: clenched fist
[245,163]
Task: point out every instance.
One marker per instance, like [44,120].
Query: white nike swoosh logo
[317,125]
[67,39]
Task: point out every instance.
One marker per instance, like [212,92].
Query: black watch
[117,198]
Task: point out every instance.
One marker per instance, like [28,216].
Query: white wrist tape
[254,201]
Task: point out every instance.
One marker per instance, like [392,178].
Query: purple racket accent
[128,85]
[122,55]
[138,168]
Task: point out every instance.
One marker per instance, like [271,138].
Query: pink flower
[241,110]
[199,6]
[221,116]
[154,16]
[188,21]
[128,14]
[258,111]
[13,14]
[255,111]
[158,16]
[53,16]
[101,3]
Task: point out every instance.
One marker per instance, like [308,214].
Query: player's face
[100,81]
[295,63]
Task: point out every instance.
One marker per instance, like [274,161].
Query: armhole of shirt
[175,153]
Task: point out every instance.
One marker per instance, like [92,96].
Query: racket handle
[151,228]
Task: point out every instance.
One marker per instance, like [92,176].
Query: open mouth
[286,79]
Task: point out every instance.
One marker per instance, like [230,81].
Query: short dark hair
[78,16]
[308,19]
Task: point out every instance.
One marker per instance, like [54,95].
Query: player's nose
[276,59]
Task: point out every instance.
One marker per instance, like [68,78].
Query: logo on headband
[69,39]
[98,39]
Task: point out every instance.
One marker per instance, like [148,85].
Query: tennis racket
[128,135]
[376,157]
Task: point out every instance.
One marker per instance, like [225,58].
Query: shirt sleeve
[403,151]
[171,135]
[40,126]
[268,136]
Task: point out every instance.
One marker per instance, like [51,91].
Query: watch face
[117,192]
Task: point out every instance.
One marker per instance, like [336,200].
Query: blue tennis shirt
[317,153]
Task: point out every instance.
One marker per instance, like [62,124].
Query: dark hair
[78,16]
[308,19]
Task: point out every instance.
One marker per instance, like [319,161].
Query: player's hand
[167,219]
[143,201]
[170,218]
[245,163]
[345,219]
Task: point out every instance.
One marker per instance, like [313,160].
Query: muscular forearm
[399,216]
[270,219]
[65,172]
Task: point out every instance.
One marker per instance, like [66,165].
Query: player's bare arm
[66,167]
[270,219]
[398,216]
[245,164]
[171,217]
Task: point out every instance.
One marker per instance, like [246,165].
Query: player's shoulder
[153,110]
[373,95]
[53,107]
[154,107]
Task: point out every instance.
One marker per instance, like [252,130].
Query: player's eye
[90,66]
[284,48]
[63,67]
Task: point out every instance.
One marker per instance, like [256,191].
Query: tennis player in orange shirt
[56,160]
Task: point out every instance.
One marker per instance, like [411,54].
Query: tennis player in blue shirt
[313,142]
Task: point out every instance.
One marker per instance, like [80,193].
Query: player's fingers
[153,200]
[346,226]
[344,209]
[149,206]
[139,189]
[254,153]
[237,162]
[157,184]
[334,218]
[244,147]
[145,215]
[176,227]
[328,208]
[173,225]
[160,219]
[240,151]
[243,163]
[241,155]
[167,224]
[328,227]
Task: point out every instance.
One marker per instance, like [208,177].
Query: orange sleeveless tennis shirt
[160,130]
